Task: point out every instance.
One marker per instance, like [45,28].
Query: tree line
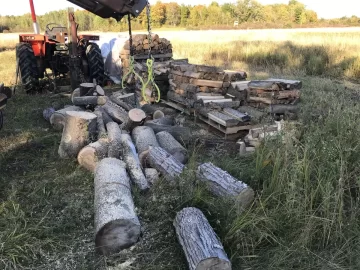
[242,14]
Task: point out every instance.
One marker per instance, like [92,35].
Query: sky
[324,8]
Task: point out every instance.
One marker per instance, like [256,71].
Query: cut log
[57,119]
[181,134]
[130,156]
[135,118]
[171,95]
[121,103]
[237,115]
[223,119]
[165,163]
[217,101]
[222,184]
[265,84]
[144,138]
[79,130]
[201,245]
[75,93]
[99,91]
[172,146]
[209,97]
[262,100]
[233,75]
[167,121]
[114,134]
[87,89]
[117,226]
[92,154]
[287,84]
[158,114]
[93,100]
[116,113]
[283,109]
[152,175]
[101,130]
[107,119]
[215,84]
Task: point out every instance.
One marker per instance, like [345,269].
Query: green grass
[306,213]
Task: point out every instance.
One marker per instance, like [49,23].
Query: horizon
[347,8]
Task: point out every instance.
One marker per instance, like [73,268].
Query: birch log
[165,163]
[57,119]
[202,247]
[130,156]
[144,138]
[80,128]
[172,146]
[116,225]
[92,154]
[222,184]
[114,134]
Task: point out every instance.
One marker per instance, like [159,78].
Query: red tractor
[60,52]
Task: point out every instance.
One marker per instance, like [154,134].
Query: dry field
[307,209]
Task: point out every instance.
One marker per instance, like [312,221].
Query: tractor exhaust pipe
[33,16]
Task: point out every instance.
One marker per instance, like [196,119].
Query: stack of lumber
[161,49]
[276,94]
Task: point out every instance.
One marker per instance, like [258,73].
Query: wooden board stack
[276,94]
[161,49]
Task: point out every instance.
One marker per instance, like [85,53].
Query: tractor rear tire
[96,63]
[27,62]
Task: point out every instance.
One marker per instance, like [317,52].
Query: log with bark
[57,119]
[117,226]
[135,118]
[165,163]
[118,114]
[87,89]
[237,115]
[130,156]
[92,154]
[93,100]
[106,118]
[167,121]
[172,146]
[101,130]
[79,130]
[222,184]
[181,134]
[121,103]
[144,137]
[201,245]
[283,109]
[223,119]
[114,134]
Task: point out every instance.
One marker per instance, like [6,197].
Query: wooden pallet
[178,106]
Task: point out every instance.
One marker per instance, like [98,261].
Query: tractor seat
[3,100]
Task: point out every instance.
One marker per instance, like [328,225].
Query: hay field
[307,209]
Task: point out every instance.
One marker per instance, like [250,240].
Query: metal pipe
[33,16]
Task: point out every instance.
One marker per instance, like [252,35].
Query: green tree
[184,14]
[173,14]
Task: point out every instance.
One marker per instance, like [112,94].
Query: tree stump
[202,247]
[165,163]
[136,117]
[172,146]
[92,154]
[222,184]
[144,138]
[57,119]
[80,128]
[116,225]
[130,156]
[114,134]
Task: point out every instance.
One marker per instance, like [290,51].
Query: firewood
[101,130]
[87,89]
[117,226]
[181,134]
[237,115]
[93,100]
[287,84]
[262,100]
[201,245]
[165,163]
[80,128]
[167,121]
[144,137]
[152,175]
[135,118]
[283,109]
[172,146]
[222,184]
[223,119]
[114,135]
[99,90]
[175,97]
[266,85]
[217,101]
[75,93]
[57,119]
[130,156]
[233,76]
[121,103]
[92,154]
[106,118]
[118,114]
[158,114]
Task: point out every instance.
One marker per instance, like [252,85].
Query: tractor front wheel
[27,62]
[95,63]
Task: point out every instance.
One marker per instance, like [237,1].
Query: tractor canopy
[116,9]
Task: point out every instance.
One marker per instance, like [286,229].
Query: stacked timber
[161,49]
[278,96]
